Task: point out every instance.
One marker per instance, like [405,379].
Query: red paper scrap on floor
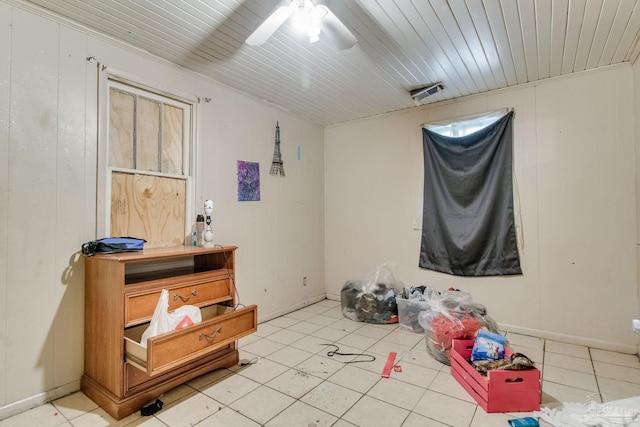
[387,367]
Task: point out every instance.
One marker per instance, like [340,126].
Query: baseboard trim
[290,309]
[24,405]
[570,339]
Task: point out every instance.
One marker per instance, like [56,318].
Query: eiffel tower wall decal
[277,167]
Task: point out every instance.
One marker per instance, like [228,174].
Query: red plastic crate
[500,390]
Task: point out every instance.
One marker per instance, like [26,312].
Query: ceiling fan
[308,17]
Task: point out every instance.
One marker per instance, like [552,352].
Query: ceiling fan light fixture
[301,20]
[306,18]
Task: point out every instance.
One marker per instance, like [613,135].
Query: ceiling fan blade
[271,24]
[336,31]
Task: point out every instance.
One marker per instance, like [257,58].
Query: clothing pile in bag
[450,315]
[372,300]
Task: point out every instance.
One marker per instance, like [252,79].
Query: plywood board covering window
[144,134]
[149,137]
[153,206]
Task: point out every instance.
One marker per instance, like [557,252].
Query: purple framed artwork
[248,181]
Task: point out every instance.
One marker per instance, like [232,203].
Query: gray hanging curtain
[467,219]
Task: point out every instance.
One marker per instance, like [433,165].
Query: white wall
[636,109]
[574,161]
[48,149]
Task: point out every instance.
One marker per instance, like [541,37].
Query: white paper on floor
[616,413]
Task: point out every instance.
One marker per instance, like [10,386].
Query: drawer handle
[187,298]
[210,337]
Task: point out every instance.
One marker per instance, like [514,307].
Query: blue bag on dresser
[111,245]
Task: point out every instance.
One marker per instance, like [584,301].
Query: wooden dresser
[121,294]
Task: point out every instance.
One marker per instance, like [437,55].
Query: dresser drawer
[139,306]
[221,325]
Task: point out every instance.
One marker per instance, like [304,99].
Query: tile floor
[293,382]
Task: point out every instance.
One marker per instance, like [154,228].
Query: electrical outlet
[304,281]
[636,326]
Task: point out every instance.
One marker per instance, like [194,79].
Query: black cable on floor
[336,352]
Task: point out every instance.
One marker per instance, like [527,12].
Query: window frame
[126,82]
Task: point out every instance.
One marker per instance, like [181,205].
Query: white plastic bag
[163,321]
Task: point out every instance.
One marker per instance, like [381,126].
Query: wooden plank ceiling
[471,46]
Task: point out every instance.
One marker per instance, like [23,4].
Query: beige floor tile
[522,342]
[397,392]
[568,362]
[230,388]
[420,356]
[248,340]
[310,343]
[372,412]
[630,360]
[386,347]
[445,409]
[343,423]
[355,378]
[262,404]
[329,335]
[331,398]
[304,327]
[372,331]
[96,418]
[570,378]
[320,319]
[207,379]
[611,389]
[329,303]
[289,356]
[245,356]
[335,312]
[300,315]
[282,322]
[405,339]
[376,366]
[567,349]
[315,308]
[301,414]
[45,415]
[483,419]
[265,329]
[144,422]
[263,370]
[415,420]
[344,354]
[554,393]
[617,372]
[175,394]
[346,325]
[285,336]
[74,405]
[263,347]
[415,374]
[320,366]
[189,410]
[358,341]
[294,383]
[227,417]
[444,383]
